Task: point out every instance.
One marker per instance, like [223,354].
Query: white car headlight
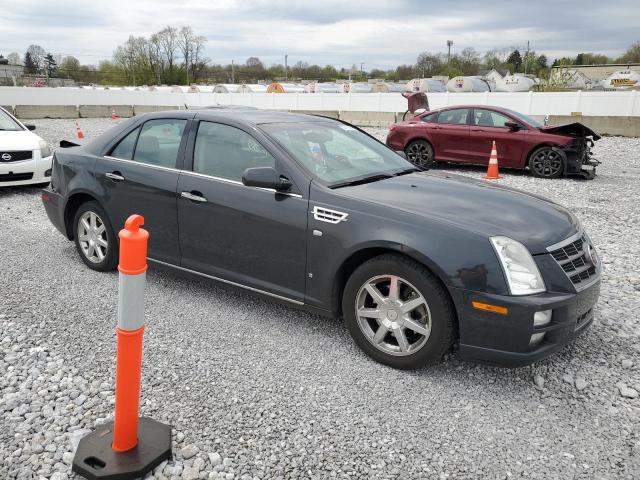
[520,270]
[45,149]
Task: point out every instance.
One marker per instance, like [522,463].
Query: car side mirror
[30,127]
[512,125]
[265,177]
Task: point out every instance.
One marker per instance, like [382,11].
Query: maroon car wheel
[545,162]
[421,154]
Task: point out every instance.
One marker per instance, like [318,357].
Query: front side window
[335,153]
[489,118]
[159,142]
[124,149]
[457,116]
[226,152]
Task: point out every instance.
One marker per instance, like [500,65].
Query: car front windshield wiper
[406,171]
[361,180]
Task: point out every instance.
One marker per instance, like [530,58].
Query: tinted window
[456,117]
[489,118]
[431,118]
[226,152]
[159,142]
[125,148]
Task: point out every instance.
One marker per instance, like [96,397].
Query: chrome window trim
[229,282]
[202,175]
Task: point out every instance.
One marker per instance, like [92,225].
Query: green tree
[632,55]
[515,59]
[428,64]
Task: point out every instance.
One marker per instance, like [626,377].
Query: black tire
[545,162]
[109,259]
[439,307]
[421,154]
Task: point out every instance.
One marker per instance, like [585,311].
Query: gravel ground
[258,390]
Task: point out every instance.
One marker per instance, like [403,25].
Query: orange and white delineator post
[114,116]
[492,169]
[79,132]
[130,446]
[132,268]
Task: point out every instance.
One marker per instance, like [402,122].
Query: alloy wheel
[393,315]
[420,154]
[547,163]
[92,237]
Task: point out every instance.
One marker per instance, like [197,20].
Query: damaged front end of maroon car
[577,154]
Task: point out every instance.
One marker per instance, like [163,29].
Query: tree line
[175,55]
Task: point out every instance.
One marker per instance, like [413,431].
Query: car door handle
[115,176]
[194,196]
[477,130]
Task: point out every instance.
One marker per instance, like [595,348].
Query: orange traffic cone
[79,132]
[113,114]
[492,170]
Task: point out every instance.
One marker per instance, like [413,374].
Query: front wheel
[398,313]
[545,162]
[95,241]
[420,153]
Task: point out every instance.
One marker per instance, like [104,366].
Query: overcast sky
[380,33]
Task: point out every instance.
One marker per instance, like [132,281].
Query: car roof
[256,117]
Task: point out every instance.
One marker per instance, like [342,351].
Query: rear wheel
[421,154]
[95,241]
[545,162]
[398,313]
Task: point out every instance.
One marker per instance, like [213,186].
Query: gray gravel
[258,390]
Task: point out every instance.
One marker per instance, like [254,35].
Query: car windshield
[525,118]
[8,123]
[337,154]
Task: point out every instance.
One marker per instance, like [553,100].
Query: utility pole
[286,67]
[233,76]
[449,45]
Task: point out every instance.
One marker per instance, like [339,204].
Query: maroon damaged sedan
[464,134]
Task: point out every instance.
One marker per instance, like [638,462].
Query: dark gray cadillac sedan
[316,213]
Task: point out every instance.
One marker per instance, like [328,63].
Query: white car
[25,158]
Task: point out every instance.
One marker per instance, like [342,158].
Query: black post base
[95,459]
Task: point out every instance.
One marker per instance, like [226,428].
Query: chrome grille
[576,258]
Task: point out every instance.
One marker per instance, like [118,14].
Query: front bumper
[27,172]
[504,340]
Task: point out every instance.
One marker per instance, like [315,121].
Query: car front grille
[578,260]
[7,156]
[15,177]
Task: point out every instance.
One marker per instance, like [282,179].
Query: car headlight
[45,149]
[520,270]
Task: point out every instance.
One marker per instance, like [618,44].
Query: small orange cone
[492,170]
[79,132]
[114,116]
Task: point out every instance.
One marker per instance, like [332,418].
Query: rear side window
[431,118]
[226,152]
[125,148]
[455,117]
[159,142]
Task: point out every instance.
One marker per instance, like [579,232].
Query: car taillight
[392,127]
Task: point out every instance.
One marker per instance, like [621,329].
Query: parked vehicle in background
[25,158]
[317,213]
[464,134]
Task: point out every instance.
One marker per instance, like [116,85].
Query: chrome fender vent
[328,215]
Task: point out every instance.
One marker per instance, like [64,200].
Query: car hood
[18,140]
[479,206]
[575,129]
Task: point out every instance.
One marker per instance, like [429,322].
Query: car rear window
[457,116]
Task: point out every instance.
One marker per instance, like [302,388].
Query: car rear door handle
[477,130]
[194,196]
[115,176]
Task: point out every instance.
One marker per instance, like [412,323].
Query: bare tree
[429,63]
[168,40]
[37,54]
[14,58]
[186,43]
[197,61]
